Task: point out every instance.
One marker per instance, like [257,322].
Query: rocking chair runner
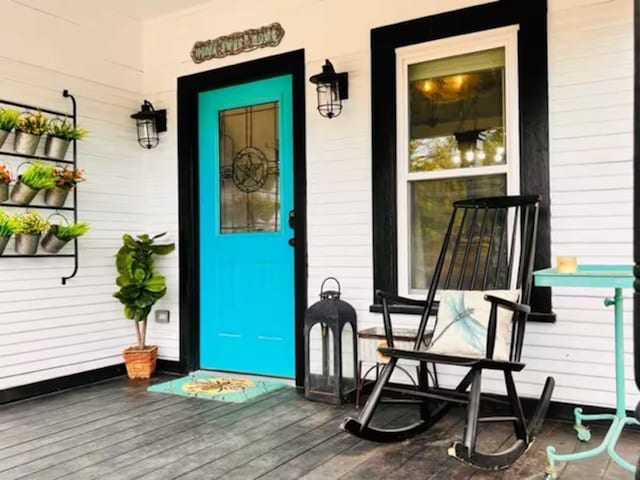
[489,245]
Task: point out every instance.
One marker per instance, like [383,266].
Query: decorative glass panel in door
[249,170]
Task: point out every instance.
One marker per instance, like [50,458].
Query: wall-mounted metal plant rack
[74,208]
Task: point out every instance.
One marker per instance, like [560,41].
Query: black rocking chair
[489,245]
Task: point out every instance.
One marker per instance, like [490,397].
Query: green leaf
[162,249]
[129,242]
[129,312]
[146,299]
[159,235]
[156,283]
[139,275]
[123,281]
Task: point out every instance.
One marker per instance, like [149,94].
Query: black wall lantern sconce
[332,88]
[150,122]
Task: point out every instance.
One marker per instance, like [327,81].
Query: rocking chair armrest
[515,307]
[520,314]
[387,296]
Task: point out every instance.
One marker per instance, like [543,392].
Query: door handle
[292,242]
[292,219]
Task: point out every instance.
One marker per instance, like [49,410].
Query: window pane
[431,207]
[456,112]
[249,174]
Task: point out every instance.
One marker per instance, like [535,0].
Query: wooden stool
[369,340]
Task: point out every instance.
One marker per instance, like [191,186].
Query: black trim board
[61,383]
[636,192]
[531,16]
[188,89]
[23,392]
[170,367]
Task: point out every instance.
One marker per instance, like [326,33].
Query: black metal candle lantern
[150,122]
[330,347]
[332,88]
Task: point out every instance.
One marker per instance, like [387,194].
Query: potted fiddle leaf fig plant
[59,235]
[8,226]
[61,133]
[29,227]
[8,119]
[36,176]
[29,129]
[66,180]
[140,287]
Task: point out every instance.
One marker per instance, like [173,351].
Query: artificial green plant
[64,129]
[32,123]
[8,224]
[38,176]
[31,223]
[8,118]
[69,232]
[140,286]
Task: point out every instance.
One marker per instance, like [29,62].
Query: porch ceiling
[149,9]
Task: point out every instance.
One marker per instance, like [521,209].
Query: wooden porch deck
[118,430]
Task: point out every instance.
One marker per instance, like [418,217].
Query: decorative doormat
[213,387]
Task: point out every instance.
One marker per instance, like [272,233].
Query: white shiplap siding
[48,330]
[590,69]
[591,148]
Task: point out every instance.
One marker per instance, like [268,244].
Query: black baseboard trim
[563,412]
[171,367]
[23,392]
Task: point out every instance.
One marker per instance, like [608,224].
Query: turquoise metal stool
[597,276]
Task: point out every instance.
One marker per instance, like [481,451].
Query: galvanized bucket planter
[52,244]
[27,244]
[25,143]
[55,197]
[3,136]
[4,192]
[23,194]
[3,244]
[55,147]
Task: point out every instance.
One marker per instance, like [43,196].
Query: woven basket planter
[140,363]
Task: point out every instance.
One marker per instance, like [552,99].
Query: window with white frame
[457,107]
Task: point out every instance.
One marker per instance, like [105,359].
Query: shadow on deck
[118,430]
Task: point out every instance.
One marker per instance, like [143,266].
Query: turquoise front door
[246,199]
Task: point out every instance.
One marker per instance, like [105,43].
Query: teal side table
[597,276]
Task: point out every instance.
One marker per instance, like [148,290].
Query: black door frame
[188,193]
[636,194]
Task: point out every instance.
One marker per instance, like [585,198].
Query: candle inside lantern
[567,264]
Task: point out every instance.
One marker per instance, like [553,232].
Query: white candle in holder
[567,264]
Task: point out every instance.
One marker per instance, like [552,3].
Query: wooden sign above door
[251,39]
